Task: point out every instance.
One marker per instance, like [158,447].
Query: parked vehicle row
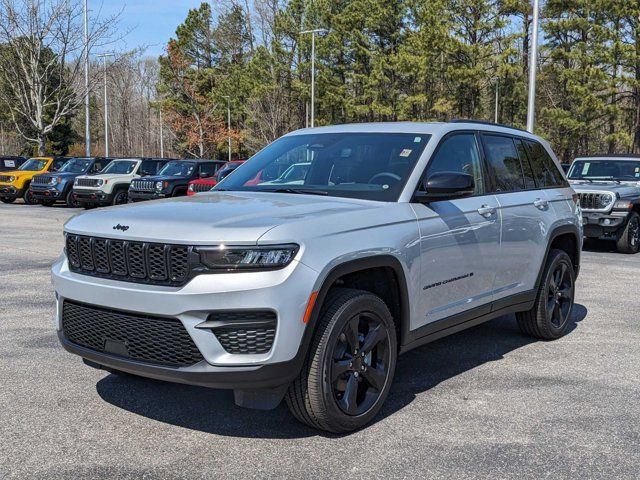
[308,270]
[15,184]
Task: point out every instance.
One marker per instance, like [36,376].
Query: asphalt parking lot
[485,403]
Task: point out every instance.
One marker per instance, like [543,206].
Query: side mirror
[445,186]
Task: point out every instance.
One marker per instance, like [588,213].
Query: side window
[148,167]
[504,163]
[208,168]
[459,153]
[544,168]
[97,166]
[58,163]
[529,177]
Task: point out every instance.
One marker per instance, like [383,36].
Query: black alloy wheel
[120,197]
[629,236]
[29,199]
[360,363]
[560,296]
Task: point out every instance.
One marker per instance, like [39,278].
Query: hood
[212,218]
[63,174]
[625,189]
[109,176]
[163,178]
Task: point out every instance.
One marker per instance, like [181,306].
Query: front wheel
[29,199]
[70,200]
[351,363]
[120,197]
[629,238]
[550,315]
[7,199]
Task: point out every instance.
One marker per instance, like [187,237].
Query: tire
[70,201]
[629,237]
[28,198]
[7,199]
[551,313]
[350,396]
[120,197]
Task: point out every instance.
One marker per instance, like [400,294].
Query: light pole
[495,117]
[313,70]
[533,62]
[106,105]
[87,129]
[161,136]
[228,123]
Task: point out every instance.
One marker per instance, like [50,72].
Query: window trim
[488,184]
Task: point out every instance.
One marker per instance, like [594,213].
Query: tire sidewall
[117,194]
[362,303]
[28,198]
[69,200]
[627,232]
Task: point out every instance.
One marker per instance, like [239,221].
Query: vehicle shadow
[599,246]
[213,411]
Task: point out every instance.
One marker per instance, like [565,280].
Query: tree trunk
[41,145]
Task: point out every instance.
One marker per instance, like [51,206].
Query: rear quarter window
[545,170]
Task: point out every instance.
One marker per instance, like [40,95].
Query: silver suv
[399,234]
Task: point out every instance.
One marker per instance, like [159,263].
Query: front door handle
[541,204]
[486,211]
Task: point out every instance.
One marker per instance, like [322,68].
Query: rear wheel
[351,363]
[549,317]
[629,238]
[7,199]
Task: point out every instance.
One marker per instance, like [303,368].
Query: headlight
[100,182]
[158,186]
[606,200]
[243,258]
[191,187]
[53,181]
[11,179]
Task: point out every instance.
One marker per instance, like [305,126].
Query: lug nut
[356,374]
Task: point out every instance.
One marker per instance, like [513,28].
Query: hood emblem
[123,228]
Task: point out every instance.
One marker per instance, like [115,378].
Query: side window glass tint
[207,168]
[529,177]
[544,168]
[504,163]
[459,153]
[148,167]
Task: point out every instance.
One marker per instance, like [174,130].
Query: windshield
[178,168]
[373,166]
[121,167]
[622,170]
[33,165]
[76,165]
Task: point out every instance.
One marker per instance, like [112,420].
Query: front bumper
[603,225]
[141,196]
[9,191]
[46,193]
[92,197]
[284,291]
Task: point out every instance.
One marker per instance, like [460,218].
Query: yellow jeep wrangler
[15,184]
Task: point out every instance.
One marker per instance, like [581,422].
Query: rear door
[525,213]
[459,239]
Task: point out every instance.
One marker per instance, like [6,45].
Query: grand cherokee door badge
[444,282]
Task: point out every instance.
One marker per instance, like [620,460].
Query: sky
[149,23]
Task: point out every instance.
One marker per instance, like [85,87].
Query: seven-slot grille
[201,187]
[144,185]
[244,332]
[155,340]
[595,201]
[41,180]
[87,182]
[140,262]
[4,178]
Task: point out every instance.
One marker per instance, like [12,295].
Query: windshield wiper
[303,191]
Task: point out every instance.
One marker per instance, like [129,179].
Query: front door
[460,239]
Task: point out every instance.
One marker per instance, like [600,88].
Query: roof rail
[482,122]
[611,155]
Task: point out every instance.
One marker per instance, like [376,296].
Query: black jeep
[609,190]
[173,180]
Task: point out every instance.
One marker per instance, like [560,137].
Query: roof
[611,156]
[426,128]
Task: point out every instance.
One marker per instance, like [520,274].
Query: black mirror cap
[446,186]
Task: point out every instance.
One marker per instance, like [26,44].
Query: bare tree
[41,45]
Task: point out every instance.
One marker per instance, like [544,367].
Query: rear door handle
[486,211]
[541,204]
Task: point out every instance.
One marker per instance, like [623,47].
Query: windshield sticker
[585,169]
[417,140]
[405,152]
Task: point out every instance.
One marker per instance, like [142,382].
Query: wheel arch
[567,238]
[369,274]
